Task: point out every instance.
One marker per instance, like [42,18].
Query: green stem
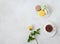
[36,41]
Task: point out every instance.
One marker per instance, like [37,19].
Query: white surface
[15,15]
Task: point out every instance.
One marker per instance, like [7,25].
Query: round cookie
[38,8]
[42,13]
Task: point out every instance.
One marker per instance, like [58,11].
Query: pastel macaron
[42,13]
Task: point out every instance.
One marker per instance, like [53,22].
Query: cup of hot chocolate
[49,29]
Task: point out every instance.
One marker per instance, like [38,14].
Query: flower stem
[36,41]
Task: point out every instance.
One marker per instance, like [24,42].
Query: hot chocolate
[49,28]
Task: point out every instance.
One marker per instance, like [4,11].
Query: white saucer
[50,34]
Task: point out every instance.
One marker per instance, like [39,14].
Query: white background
[15,15]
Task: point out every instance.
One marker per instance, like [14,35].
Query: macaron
[38,8]
[42,13]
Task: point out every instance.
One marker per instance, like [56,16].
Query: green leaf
[35,33]
[38,32]
[38,29]
[30,38]
[32,33]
